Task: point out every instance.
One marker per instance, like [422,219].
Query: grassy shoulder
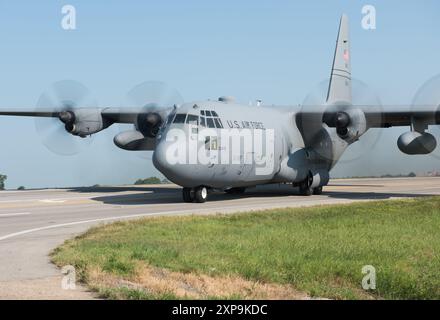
[269,254]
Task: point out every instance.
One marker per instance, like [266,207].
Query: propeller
[63,96]
[429,95]
[362,95]
[157,98]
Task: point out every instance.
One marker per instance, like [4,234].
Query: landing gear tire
[235,191]
[317,191]
[200,194]
[188,194]
[305,190]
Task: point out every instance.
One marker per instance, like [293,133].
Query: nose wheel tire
[200,194]
[188,195]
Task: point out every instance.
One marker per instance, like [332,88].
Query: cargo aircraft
[224,145]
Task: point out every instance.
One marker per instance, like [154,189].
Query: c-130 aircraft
[222,145]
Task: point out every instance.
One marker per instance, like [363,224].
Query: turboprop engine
[147,126]
[414,142]
[83,122]
[350,123]
[149,123]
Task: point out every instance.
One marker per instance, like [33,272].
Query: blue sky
[276,51]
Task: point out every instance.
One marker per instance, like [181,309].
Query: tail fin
[339,89]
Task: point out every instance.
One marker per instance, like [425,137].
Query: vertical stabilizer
[339,90]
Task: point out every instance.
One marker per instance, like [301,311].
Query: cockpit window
[180,118]
[210,122]
[210,119]
[217,122]
[170,117]
[192,119]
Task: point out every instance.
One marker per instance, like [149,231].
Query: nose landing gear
[199,194]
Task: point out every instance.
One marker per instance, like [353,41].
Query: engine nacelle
[351,124]
[414,142]
[149,123]
[134,140]
[83,122]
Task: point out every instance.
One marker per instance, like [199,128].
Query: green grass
[319,250]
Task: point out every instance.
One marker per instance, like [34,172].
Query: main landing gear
[199,194]
[305,188]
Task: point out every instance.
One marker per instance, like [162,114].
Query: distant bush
[21,188]
[2,181]
[150,180]
[411,175]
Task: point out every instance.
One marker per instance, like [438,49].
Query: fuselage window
[202,121]
[202,112]
[180,118]
[214,143]
[210,122]
[214,114]
[192,119]
[208,113]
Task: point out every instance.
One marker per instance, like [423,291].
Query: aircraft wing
[392,116]
[29,112]
[87,121]
[130,115]
[115,115]
[375,116]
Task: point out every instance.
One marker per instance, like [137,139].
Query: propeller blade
[362,95]
[64,96]
[157,98]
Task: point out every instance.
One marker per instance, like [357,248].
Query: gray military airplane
[299,144]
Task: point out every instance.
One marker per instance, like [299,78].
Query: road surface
[34,222]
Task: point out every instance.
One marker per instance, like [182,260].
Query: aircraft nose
[160,159]
[166,161]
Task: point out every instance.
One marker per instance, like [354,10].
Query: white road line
[8,236]
[202,210]
[205,210]
[14,214]
[52,200]
[63,199]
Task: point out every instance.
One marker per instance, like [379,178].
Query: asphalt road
[34,222]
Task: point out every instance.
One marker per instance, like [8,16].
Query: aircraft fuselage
[226,145]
